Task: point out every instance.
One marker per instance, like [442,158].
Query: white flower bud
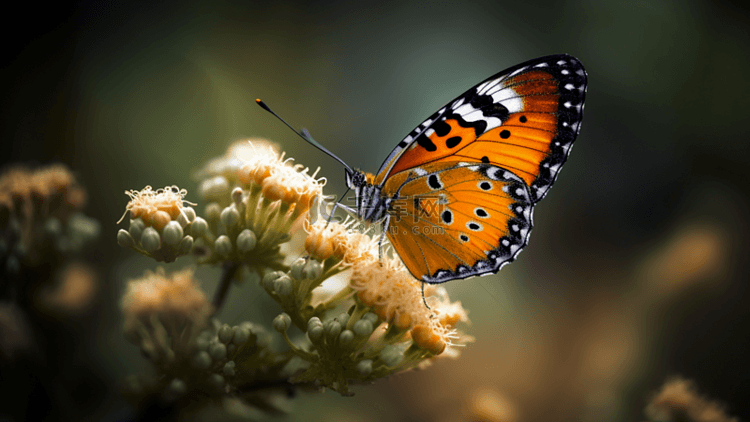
[189,212]
[363,328]
[136,229]
[313,269]
[199,227]
[172,233]
[226,333]
[333,329]
[150,240]
[202,360]
[186,245]
[229,368]
[296,270]
[218,351]
[282,322]
[346,337]
[213,212]
[364,367]
[371,316]
[175,389]
[237,196]
[246,241]
[283,286]
[223,245]
[217,380]
[124,239]
[241,335]
[230,216]
[391,355]
[213,188]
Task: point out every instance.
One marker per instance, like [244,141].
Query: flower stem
[230,269]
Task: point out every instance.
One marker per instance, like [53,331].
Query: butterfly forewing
[523,119]
[459,219]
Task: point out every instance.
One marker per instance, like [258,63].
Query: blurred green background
[637,269]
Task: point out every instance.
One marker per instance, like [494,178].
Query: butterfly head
[355,179]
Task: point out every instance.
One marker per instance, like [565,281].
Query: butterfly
[456,195]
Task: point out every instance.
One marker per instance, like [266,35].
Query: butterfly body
[456,195]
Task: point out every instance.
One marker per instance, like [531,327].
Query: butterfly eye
[485,185]
[464,238]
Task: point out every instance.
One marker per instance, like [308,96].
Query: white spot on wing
[509,98]
[518,71]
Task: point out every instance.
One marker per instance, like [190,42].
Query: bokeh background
[637,270]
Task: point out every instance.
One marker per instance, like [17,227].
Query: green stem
[230,269]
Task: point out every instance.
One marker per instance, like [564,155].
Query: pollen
[337,239]
[426,338]
[156,207]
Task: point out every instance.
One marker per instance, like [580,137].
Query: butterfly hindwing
[459,219]
[523,119]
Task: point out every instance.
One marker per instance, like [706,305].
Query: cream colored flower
[175,296]
[339,240]
[156,207]
[164,313]
[386,286]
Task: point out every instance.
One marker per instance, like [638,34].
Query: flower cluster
[360,315]
[158,220]
[41,225]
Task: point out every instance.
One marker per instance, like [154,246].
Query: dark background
[637,269]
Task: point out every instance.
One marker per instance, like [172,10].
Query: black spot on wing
[441,128]
[447,217]
[426,143]
[489,107]
[434,182]
[453,142]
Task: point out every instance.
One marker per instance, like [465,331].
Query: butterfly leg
[424,299]
[333,210]
[386,223]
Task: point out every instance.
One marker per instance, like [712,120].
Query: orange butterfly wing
[456,220]
[513,131]
[523,119]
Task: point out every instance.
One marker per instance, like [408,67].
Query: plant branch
[230,269]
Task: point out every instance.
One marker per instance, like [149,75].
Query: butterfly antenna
[304,135]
